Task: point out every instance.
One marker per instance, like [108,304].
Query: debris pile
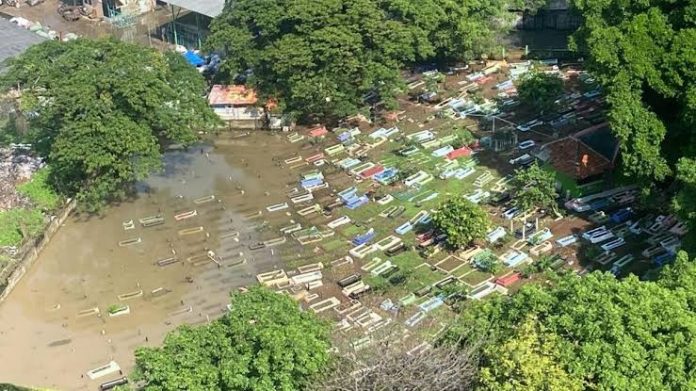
[16,167]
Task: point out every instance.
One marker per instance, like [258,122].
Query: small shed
[237,105]
[582,158]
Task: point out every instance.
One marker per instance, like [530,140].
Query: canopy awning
[211,8]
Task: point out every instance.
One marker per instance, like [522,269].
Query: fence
[29,252]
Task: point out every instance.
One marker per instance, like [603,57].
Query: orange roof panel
[237,95]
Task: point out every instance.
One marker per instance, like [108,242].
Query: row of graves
[189,235]
[624,239]
[361,212]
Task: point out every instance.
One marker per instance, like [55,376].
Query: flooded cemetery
[337,218]
[107,284]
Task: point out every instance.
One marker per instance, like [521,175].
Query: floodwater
[47,337]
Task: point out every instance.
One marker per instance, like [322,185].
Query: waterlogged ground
[44,341]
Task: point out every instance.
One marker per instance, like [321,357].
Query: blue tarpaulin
[193,58]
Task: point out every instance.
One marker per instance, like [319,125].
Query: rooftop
[601,139]
[231,95]
[586,154]
[211,8]
[15,40]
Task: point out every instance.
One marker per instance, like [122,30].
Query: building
[237,105]
[15,40]
[114,8]
[582,158]
[190,21]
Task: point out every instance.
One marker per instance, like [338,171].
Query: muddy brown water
[43,339]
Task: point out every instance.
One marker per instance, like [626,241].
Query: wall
[30,251]
[247,117]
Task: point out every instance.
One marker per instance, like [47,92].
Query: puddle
[50,333]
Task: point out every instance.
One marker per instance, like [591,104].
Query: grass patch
[39,192]
[334,245]
[566,182]
[422,277]
[476,277]
[17,224]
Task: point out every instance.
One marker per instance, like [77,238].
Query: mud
[44,341]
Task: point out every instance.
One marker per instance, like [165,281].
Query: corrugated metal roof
[14,40]
[210,8]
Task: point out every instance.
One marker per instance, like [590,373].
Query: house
[237,105]
[582,158]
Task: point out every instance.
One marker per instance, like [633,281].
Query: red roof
[457,153]
[231,95]
[508,280]
[318,131]
[572,157]
[370,172]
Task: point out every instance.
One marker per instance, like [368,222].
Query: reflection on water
[48,335]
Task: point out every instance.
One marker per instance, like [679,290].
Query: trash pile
[16,167]
[43,31]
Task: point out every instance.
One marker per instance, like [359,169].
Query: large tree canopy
[320,57]
[610,334]
[98,110]
[540,91]
[264,343]
[644,54]
[462,221]
[536,188]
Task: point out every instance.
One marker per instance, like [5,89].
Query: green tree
[264,343]
[540,91]
[320,57]
[462,221]
[643,54]
[683,202]
[489,263]
[536,188]
[611,334]
[432,82]
[99,111]
[528,361]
